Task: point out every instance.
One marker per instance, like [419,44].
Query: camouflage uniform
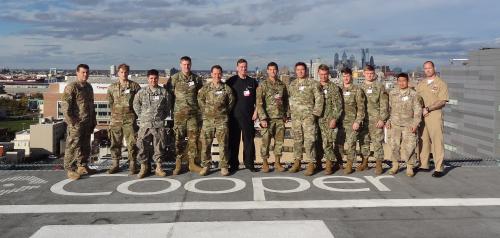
[377,107]
[216,102]
[78,106]
[332,110]
[406,112]
[123,118]
[306,103]
[152,107]
[272,105]
[187,114]
[354,111]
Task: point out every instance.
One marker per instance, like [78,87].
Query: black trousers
[241,127]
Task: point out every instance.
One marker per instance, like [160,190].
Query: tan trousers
[432,141]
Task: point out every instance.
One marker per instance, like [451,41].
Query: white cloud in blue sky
[154,33]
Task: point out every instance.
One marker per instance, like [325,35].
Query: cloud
[347,34]
[220,34]
[288,38]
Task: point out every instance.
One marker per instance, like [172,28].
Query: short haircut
[346,71]
[216,67]
[323,67]
[240,61]
[301,64]
[85,66]
[186,58]
[272,64]
[153,72]
[124,66]
[368,68]
[429,62]
[403,75]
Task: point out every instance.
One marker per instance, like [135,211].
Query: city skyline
[154,34]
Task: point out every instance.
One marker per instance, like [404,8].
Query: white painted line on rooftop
[240,229]
[248,205]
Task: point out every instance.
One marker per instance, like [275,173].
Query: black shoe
[437,174]
[422,169]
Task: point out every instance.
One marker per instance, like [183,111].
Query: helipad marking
[240,229]
[248,205]
[34,182]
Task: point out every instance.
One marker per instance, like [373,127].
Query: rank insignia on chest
[218,92]
[156,98]
[126,91]
[405,98]
[347,93]
[369,91]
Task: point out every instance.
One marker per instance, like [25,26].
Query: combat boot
[72,175]
[277,164]
[115,167]
[193,167]
[409,170]
[144,170]
[395,167]
[348,167]
[132,167]
[295,167]
[204,171]
[85,170]
[159,171]
[328,167]
[265,166]
[224,172]
[378,167]
[363,165]
[311,167]
[178,167]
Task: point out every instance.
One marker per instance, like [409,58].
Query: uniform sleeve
[443,92]
[260,103]
[389,109]
[288,111]
[337,103]
[111,100]
[199,82]
[232,100]
[361,106]
[201,97]
[319,100]
[138,102]
[384,104]
[417,111]
[286,107]
[68,102]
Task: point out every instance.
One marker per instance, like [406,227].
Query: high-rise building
[372,62]
[112,70]
[336,60]
[472,115]
[344,58]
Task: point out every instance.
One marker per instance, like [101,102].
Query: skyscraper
[372,62]
[336,60]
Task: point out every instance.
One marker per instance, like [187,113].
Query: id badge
[126,91]
[405,98]
[218,92]
[156,98]
[369,91]
[301,88]
[191,84]
[347,93]
[246,93]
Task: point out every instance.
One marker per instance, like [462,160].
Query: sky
[155,34]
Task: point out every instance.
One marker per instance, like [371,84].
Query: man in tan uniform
[434,92]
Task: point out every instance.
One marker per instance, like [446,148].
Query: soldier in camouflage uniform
[372,130]
[272,105]
[152,105]
[328,121]
[187,115]
[306,105]
[352,118]
[216,101]
[406,115]
[79,115]
[123,119]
